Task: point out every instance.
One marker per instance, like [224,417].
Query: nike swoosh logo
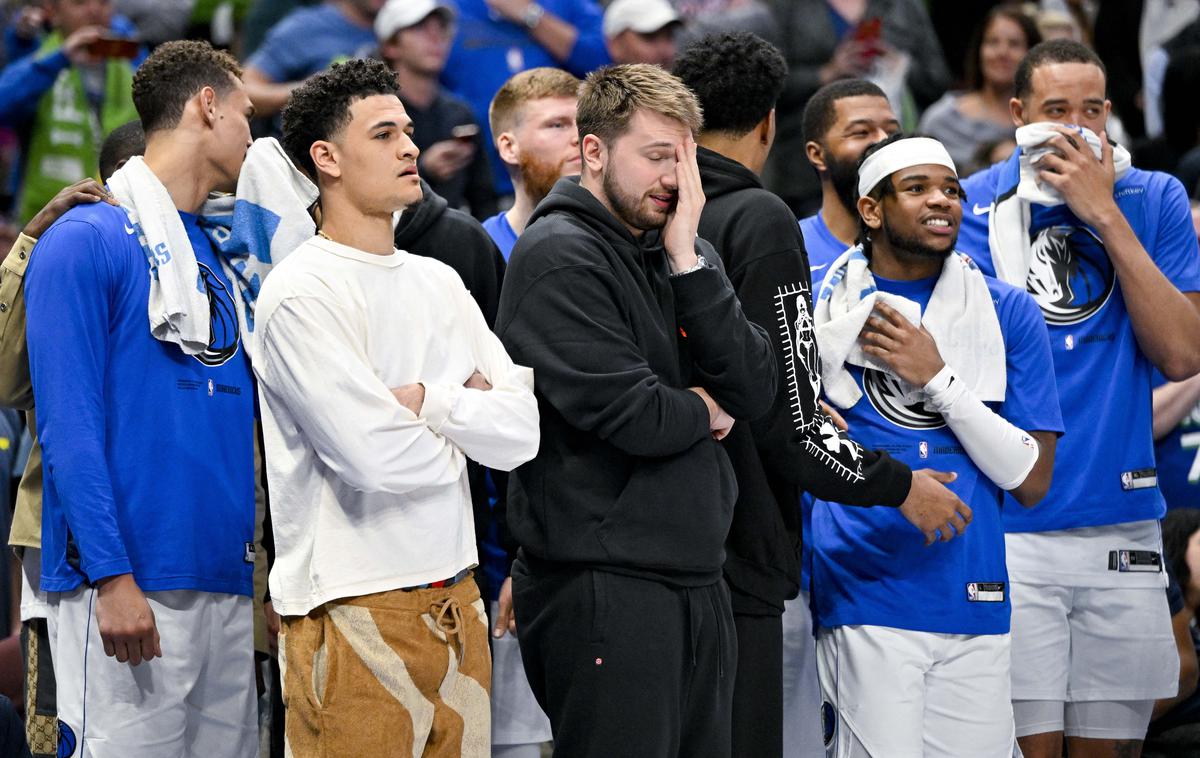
[981,209]
[128,230]
[818,268]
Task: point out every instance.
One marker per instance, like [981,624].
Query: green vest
[64,144]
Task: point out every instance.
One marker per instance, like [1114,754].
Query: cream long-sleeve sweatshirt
[366,496]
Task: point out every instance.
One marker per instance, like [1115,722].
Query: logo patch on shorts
[1134,561]
[828,722]
[66,740]
[985,592]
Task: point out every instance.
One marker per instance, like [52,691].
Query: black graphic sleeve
[796,439]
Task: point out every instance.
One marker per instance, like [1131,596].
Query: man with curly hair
[148,511]
[378,378]
[797,446]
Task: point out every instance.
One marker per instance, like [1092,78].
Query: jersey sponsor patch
[1140,479]
[985,592]
[1145,561]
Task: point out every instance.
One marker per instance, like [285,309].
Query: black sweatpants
[758,694]
[625,666]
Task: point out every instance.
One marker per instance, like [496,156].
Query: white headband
[901,154]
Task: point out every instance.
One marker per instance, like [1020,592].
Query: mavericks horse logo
[1070,276]
[887,395]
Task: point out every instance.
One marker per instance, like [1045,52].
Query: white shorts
[198,700]
[802,724]
[1078,644]
[894,693]
[517,719]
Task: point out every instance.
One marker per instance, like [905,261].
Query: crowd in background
[946,66]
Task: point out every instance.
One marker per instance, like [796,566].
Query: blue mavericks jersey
[1177,456]
[149,452]
[1103,377]
[501,233]
[870,565]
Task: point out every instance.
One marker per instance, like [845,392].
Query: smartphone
[870,32]
[465,133]
[113,47]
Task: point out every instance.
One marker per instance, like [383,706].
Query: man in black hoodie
[642,359]
[796,446]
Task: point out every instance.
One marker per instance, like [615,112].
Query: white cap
[401,14]
[642,16]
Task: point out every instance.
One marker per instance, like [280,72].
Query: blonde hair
[610,96]
[535,84]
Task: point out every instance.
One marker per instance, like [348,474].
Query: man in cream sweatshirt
[378,378]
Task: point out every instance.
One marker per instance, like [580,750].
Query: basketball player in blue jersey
[1109,253]
[947,368]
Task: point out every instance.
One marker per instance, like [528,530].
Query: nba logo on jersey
[210,387]
[923,449]
[1070,341]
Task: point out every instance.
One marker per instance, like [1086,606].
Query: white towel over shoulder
[178,304]
[960,315]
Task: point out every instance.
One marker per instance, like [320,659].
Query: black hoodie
[795,446]
[628,477]
[433,229]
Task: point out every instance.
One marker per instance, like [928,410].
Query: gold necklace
[321,233]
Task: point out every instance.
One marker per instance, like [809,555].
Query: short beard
[915,247]
[537,176]
[627,207]
[844,177]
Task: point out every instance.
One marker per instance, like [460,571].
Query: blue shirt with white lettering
[870,565]
[149,452]
[1177,456]
[1105,464]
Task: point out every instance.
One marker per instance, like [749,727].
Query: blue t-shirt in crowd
[823,249]
[1105,460]
[487,50]
[149,452]
[307,40]
[870,565]
[501,233]
[1177,456]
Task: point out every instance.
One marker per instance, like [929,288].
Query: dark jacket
[433,229]
[628,477]
[795,446]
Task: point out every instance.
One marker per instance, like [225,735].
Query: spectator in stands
[533,120]
[703,17]
[414,38]
[305,42]
[826,40]
[641,31]
[57,95]
[499,38]
[1181,551]
[963,121]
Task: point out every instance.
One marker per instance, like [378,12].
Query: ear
[871,212]
[507,147]
[766,129]
[1017,109]
[207,100]
[815,154]
[595,153]
[1107,110]
[325,158]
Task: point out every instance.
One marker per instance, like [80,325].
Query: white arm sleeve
[1004,453]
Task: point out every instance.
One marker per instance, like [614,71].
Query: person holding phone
[414,39]
[80,75]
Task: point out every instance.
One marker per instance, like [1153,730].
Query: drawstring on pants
[450,608]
